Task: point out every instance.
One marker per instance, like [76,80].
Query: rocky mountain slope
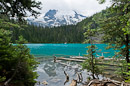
[55,18]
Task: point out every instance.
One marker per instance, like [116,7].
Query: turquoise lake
[41,50]
[53,73]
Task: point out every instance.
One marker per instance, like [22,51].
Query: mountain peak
[51,12]
[55,18]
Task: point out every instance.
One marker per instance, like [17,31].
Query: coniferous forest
[62,34]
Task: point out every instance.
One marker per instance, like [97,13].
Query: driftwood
[73,83]
[93,83]
[97,82]
[67,78]
[78,80]
[54,58]
[70,59]
[79,77]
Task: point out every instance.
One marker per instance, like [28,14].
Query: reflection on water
[53,73]
[49,68]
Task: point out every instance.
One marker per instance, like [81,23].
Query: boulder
[45,83]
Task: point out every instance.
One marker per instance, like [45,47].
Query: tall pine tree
[116,29]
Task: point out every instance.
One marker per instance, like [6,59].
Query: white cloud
[85,7]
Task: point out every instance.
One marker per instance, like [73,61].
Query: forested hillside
[61,34]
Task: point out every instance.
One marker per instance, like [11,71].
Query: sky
[84,7]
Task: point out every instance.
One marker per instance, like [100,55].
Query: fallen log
[70,59]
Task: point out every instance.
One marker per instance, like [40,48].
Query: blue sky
[85,7]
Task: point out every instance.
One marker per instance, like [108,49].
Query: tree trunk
[6,83]
[92,63]
[127,41]
[127,49]
[93,69]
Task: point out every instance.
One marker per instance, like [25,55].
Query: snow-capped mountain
[56,18]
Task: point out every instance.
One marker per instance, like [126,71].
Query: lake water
[53,73]
[41,50]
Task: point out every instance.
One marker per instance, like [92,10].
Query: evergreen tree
[116,28]
[16,63]
[91,63]
[19,8]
